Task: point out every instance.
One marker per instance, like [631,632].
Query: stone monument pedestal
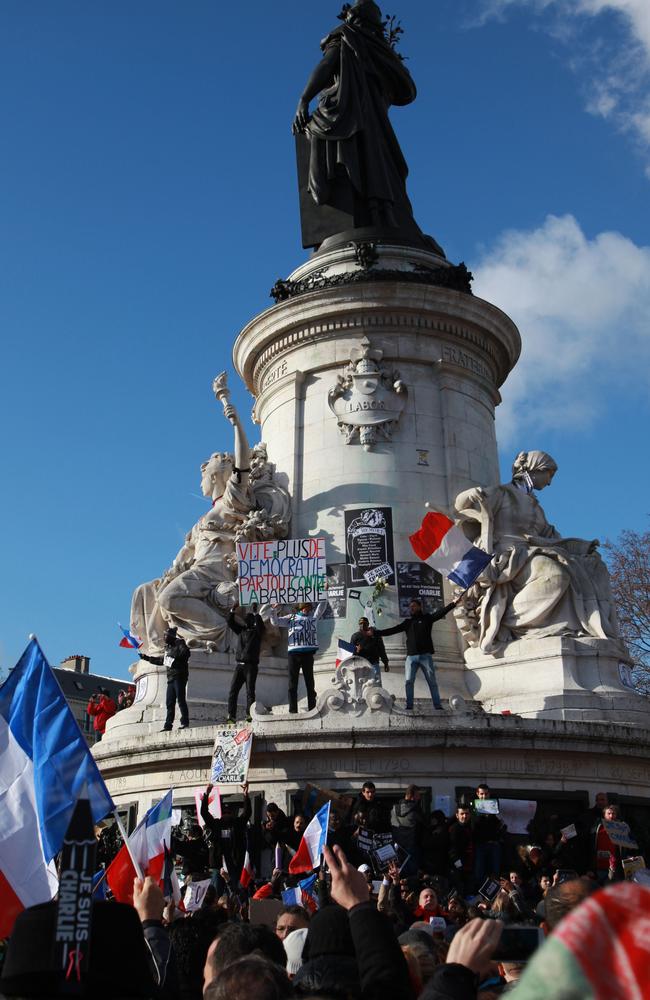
[574,679]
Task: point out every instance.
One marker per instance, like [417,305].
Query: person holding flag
[441,544]
[419,649]
[227,844]
[310,849]
[369,644]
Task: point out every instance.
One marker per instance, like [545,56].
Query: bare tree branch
[629,565]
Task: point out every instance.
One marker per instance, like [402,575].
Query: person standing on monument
[303,644]
[176,659]
[419,649]
[371,646]
[249,640]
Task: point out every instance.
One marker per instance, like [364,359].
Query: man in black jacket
[368,644]
[488,832]
[419,649]
[249,640]
[176,660]
[226,836]
[461,850]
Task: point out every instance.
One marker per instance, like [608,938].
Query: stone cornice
[150,753]
[382,308]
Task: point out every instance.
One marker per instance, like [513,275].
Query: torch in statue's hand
[222,392]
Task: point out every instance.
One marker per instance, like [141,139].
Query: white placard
[231,755]
[486,807]
[619,833]
[281,571]
[517,814]
[195,895]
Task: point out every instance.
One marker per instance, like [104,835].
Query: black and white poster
[416,581]
[337,601]
[369,545]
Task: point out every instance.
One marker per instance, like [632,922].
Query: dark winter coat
[407,824]
[249,637]
[418,630]
[226,836]
[177,656]
[371,647]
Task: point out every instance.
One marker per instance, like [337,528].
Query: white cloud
[582,308]
[616,67]
[635,12]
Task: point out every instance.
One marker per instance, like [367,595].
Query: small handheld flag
[304,894]
[247,872]
[441,544]
[129,641]
[147,846]
[344,651]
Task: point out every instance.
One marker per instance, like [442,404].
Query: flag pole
[101,881]
[123,834]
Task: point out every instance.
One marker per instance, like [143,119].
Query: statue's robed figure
[352,172]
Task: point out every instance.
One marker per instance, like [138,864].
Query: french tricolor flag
[344,651]
[304,894]
[147,844]
[247,872]
[129,641]
[310,850]
[45,766]
[441,544]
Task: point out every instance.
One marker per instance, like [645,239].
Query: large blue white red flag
[441,544]
[147,844]
[310,849]
[44,764]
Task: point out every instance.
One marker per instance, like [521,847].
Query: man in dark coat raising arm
[419,649]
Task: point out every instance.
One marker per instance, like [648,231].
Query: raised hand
[349,887]
[474,944]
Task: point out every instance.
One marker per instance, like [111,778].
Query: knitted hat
[29,970]
[293,945]
[329,934]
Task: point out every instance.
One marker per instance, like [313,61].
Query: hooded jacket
[407,823]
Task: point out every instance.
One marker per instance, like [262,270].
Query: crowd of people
[101,707]
[404,905]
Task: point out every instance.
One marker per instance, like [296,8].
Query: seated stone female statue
[538,583]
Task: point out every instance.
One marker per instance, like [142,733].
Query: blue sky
[148,203]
